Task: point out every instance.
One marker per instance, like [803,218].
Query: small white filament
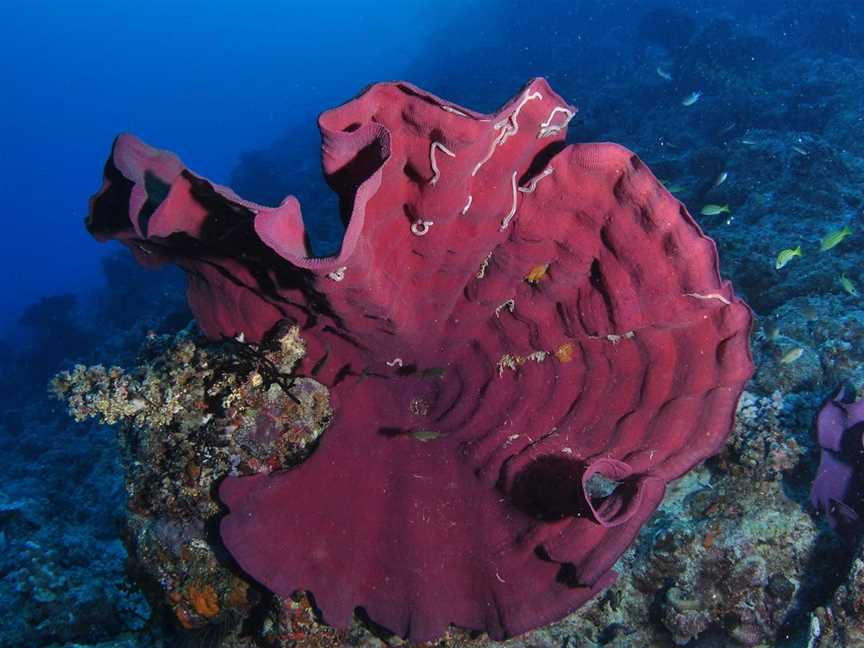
[467,204]
[435,172]
[510,305]
[533,184]
[508,127]
[513,128]
[455,111]
[716,296]
[512,211]
[547,128]
[482,271]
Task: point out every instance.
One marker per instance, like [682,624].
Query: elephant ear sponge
[524,342]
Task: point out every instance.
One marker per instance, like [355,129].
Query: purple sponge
[838,490]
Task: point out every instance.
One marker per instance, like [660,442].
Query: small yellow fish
[714,210]
[786,256]
[833,239]
[663,74]
[791,355]
[848,286]
[691,99]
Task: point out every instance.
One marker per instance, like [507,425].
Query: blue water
[206,79]
[234,89]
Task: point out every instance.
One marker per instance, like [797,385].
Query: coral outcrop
[192,413]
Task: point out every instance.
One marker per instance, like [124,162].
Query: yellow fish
[691,99]
[714,210]
[833,239]
[848,286]
[786,256]
[791,355]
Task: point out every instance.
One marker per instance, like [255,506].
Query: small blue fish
[691,99]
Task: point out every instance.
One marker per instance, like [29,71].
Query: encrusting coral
[191,413]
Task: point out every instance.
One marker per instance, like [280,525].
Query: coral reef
[723,561]
[762,446]
[62,563]
[708,564]
[842,622]
[735,555]
[190,414]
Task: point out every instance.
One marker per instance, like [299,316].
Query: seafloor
[735,556]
